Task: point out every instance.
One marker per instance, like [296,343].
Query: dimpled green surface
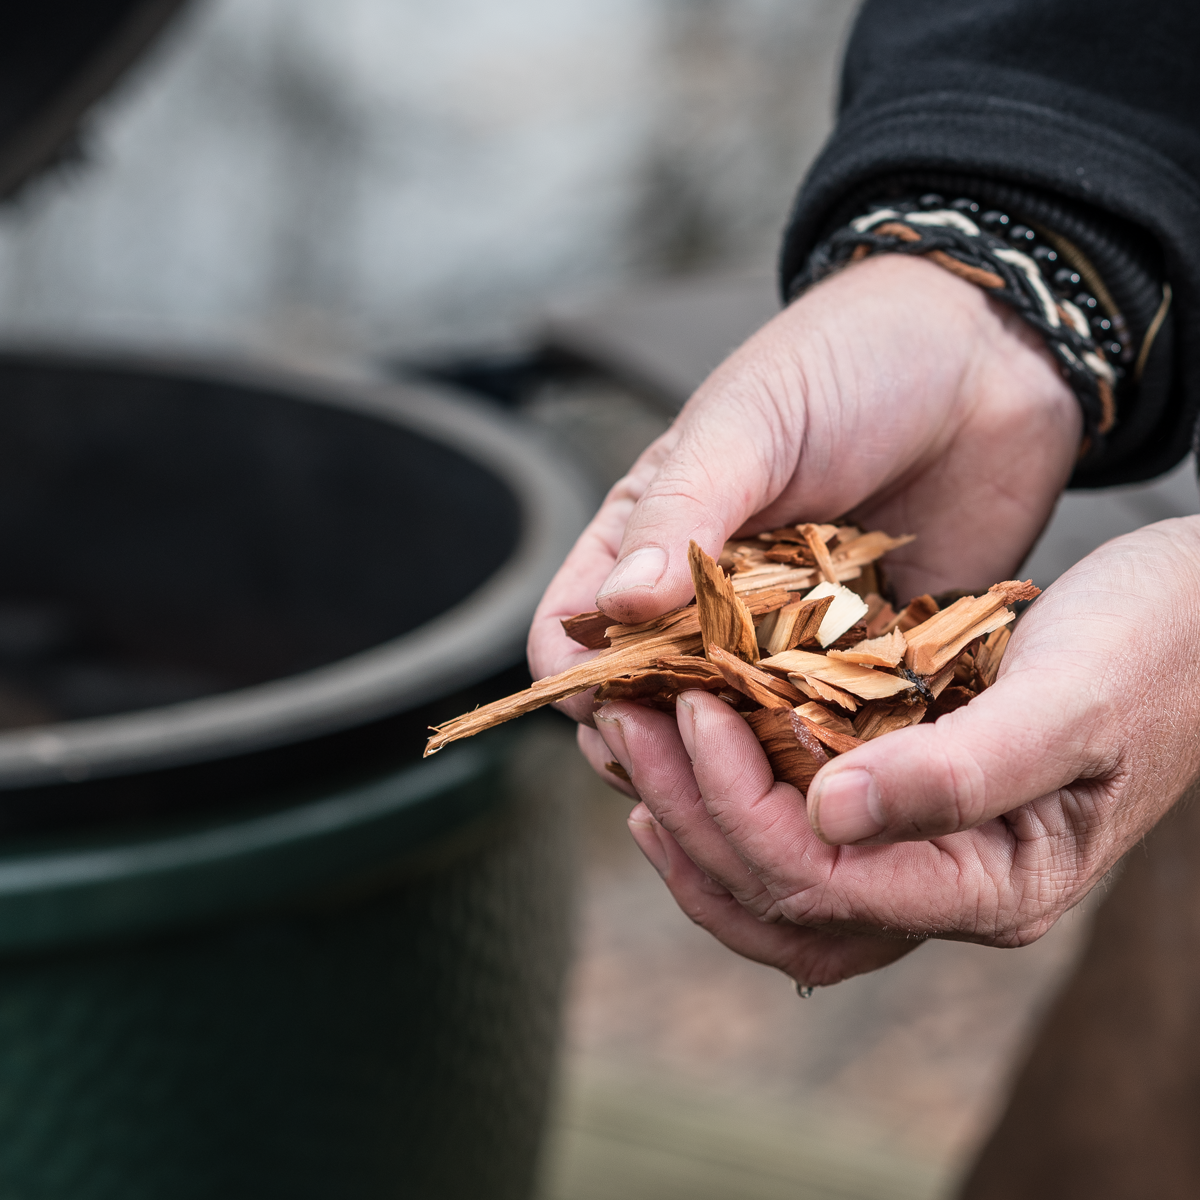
[373,1041]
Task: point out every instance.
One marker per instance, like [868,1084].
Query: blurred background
[572,210]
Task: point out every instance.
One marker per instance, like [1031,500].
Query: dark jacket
[1081,114]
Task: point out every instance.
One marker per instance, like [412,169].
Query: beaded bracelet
[1011,262]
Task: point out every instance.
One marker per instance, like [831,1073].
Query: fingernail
[645,832]
[845,808]
[609,728]
[685,718]
[641,569]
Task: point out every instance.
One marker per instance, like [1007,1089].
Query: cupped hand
[893,392]
[984,826]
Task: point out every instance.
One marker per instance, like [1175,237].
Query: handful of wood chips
[815,667]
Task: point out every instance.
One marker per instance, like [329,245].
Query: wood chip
[915,612]
[820,552]
[789,552]
[989,656]
[792,761]
[937,641]
[885,651]
[880,618]
[846,611]
[867,548]
[588,629]
[949,700]
[838,742]
[816,690]
[820,715]
[659,685]
[794,579]
[619,771]
[938,683]
[725,621]
[760,687]
[852,637]
[686,620]
[864,682]
[886,716]
[579,678]
[797,622]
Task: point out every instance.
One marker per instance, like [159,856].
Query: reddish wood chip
[725,620]
[885,716]
[792,759]
[588,629]
[760,687]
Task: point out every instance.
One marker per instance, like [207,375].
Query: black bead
[995,218]
[1114,349]
[1044,254]
[962,204]
[1022,234]
[1101,324]
[1064,277]
[932,200]
[1083,300]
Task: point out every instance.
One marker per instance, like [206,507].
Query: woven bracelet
[1008,261]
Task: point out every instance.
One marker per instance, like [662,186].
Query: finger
[809,956]
[1032,734]
[573,588]
[733,456]
[603,761]
[649,745]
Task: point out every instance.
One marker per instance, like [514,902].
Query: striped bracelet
[1014,264]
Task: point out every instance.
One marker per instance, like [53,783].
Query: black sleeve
[1084,114]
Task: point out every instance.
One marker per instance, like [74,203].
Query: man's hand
[893,392]
[985,826]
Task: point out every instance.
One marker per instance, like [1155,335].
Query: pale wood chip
[844,613]
[816,690]
[864,682]
[885,651]
[748,558]
[794,579]
[867,548]
[935,642]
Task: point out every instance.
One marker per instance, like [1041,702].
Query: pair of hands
[904,397]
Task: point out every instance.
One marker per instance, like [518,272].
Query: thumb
[1022,739]
[728,464]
